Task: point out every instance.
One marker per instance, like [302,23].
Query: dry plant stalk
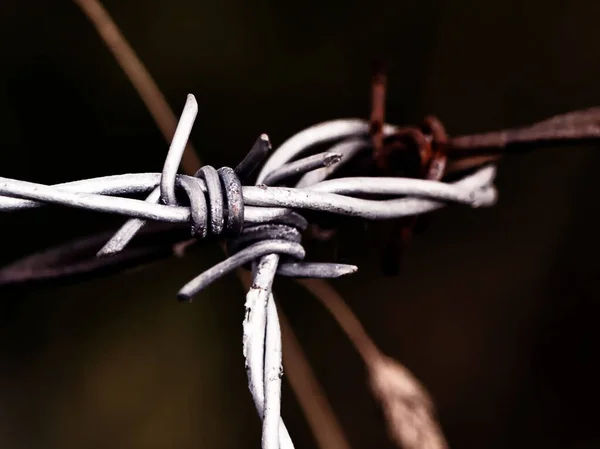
[139,76]
[312,400]
[407,407]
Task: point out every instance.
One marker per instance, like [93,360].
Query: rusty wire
[428,152]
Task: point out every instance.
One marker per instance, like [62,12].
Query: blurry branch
[577,127]
[408,408]
[468,163]
[139,76]
[318,412]
[349,323]
[321,419]
[580,126]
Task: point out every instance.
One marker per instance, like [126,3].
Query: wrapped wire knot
[217,208]
[225,211]
[281,236]
[287,229]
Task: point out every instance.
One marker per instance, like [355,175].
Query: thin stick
[408,408]
[344,316]
[139,76]
[309,393]
[327,431]
[580,126]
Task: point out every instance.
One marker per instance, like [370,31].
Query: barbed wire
[262,223]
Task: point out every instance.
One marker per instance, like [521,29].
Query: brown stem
[576,126]
[344,316]
[408,408]
[139,76]
[310,395]
[467,163]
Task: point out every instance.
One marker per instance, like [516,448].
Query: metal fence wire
[261,224]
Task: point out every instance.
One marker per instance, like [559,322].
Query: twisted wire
[262,224]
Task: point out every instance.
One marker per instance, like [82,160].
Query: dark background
[495,310]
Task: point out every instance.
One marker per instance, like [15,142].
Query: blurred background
[495,310]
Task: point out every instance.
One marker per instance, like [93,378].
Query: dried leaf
[408,408]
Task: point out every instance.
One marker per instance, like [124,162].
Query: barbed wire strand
[333,436]
[287,198]
[478,191]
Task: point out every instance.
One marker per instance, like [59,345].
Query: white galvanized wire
[260,204]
